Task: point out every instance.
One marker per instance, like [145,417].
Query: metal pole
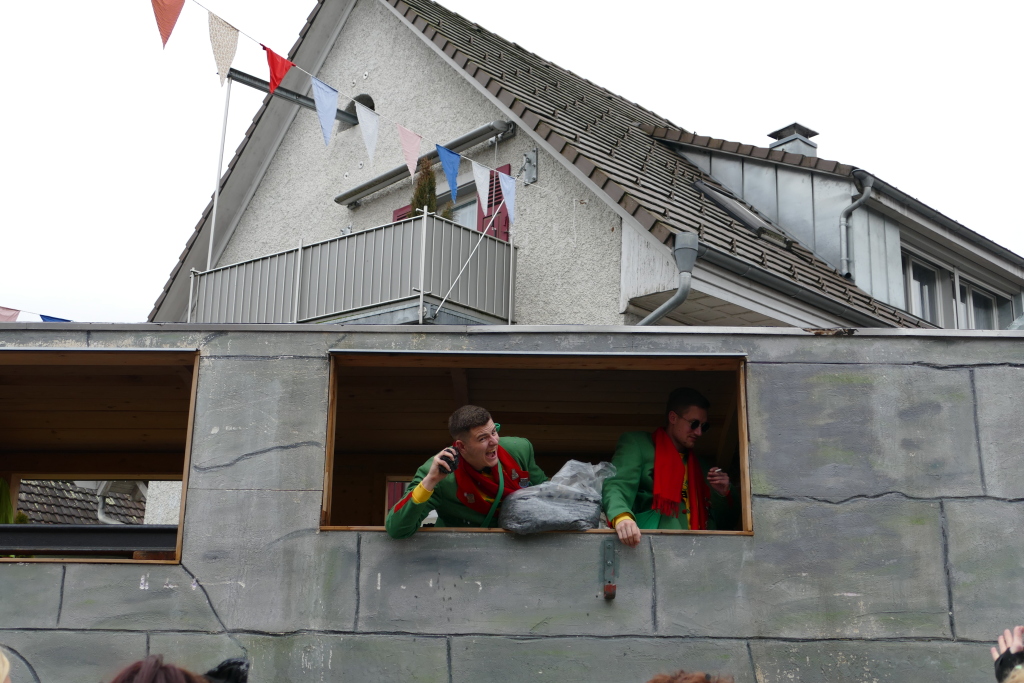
[191,279]
[423,260]
[298,281]
[511,277]
[220,165]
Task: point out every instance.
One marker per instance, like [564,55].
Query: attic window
[743,214]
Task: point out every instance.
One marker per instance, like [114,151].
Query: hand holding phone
[449,459]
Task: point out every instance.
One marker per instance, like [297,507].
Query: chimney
[795,139]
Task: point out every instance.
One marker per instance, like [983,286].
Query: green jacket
[632,489]
[450,512]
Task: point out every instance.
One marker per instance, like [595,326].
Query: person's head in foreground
[475,436]
[686,412]
[5,669]
[693,677]
[1008,655]
[153,670]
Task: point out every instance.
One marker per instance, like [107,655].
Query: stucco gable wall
[569,250]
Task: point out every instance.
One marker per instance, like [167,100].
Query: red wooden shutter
[401,214]
[499,228]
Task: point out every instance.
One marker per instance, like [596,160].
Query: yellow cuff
[420,494]
[619,518]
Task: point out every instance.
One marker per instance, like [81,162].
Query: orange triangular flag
[167,12]
[278,67]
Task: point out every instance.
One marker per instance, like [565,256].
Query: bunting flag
[450,163]
[278,67]
[167,12]
[410,147]
[508,191]
[12,315]
[326,99]
[482,178]
[369,124]
[224,40]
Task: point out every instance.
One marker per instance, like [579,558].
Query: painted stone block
[862,569]
[260,424]
[1001,431]
[833,432]
[445,582]
[265,564]
[59,656]
[30,595]
[512,660]
[986,559]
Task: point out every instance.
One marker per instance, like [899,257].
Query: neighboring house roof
[61,502]
[231,165]
[603,136]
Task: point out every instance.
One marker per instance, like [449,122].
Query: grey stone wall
[886,501]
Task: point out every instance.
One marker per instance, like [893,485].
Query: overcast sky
[110,141]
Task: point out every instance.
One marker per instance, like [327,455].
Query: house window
[982,310]
[568,406]
[469,213]
[922,289]
[89,437]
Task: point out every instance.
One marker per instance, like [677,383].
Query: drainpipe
[685,252]
[844,227]
[101,513]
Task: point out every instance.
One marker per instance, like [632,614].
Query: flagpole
[220,165]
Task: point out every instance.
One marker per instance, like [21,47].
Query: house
[786,238]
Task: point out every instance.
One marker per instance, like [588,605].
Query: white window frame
[992,294]
[909,260]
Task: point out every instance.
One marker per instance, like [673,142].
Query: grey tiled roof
[610,140]
[61,502]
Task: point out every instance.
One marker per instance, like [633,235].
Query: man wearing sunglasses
[660,483]
[467,481]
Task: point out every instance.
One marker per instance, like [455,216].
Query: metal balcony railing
[376,268]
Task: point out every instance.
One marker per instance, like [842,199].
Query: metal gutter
[685,253]
[744,269]
[285,94]
[352,197]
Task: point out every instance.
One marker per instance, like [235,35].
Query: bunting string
[224,42]
[13,315]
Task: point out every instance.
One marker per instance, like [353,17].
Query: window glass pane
[962,315]
[923,286]
[465,214]
[984,311]
[1005,312]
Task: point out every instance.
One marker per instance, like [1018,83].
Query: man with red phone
[467,481]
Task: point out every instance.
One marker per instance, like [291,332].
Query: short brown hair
[682,398]
[693,677]
[153,670]
[466,418]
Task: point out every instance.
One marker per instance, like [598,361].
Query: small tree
[425,192]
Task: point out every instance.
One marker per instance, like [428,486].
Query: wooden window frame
[542,361]
[110,357]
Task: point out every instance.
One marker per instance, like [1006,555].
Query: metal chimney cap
[792,129]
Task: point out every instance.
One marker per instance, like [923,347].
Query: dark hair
[693,677]
[682,398]
[153,670]
[466,418]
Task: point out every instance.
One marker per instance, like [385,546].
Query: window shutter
[401,214]
[499,228]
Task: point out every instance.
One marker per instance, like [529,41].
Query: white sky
[110,142]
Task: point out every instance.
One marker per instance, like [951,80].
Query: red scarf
[476,490]
[668,482]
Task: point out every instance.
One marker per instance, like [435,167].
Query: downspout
[844,227]
[101,495]
[685,253]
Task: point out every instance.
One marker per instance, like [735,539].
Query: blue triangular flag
[508,192]
[450,163]
[326,99]
[51,319]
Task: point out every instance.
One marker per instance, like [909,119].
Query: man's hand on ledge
[444,464]
[718,480]
[628,531]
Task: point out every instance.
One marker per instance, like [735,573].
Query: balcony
[383,275]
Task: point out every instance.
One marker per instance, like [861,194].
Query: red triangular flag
[278,67]
[167,12]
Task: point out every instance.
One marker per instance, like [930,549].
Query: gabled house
[308,234]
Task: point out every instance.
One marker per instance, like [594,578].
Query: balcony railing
[383,268]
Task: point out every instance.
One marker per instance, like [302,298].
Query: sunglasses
[704,426]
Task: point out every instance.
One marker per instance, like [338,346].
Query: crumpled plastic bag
[569,501]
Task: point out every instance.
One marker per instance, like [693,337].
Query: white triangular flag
[224,40]
[508,190]
[369,124]
[482,177]
[326,99]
